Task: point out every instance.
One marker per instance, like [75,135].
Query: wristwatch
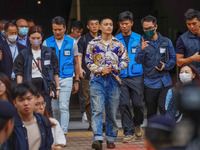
[76,81]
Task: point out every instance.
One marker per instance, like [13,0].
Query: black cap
[161,122]
[7,110]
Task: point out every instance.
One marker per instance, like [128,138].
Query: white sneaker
[84,117]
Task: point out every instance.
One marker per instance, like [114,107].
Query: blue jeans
[60,107]
[104,91]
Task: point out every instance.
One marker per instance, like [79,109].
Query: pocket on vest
[68,70]
[136,69]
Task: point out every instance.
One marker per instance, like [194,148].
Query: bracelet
[58,88]
[76,81]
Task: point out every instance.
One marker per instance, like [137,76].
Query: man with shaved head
[23,28]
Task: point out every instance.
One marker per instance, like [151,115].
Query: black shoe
[110,144]
[97,145]
[90,128]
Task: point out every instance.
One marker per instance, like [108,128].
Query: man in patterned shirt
[105,57]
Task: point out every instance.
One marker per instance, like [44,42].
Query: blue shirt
[164,80]
[14,52]
[22,41]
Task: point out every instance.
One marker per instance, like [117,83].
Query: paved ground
[79,138]
[82,140]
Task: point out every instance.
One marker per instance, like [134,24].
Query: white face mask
[185,77]
[12,38]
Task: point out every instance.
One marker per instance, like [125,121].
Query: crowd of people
[125,71]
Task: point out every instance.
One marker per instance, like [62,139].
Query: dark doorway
[41,11]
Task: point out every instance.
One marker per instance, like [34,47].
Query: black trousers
[155,98]
[131,90]
[39,84]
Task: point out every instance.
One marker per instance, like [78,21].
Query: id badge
[133,50]
[162,50]
[67,52]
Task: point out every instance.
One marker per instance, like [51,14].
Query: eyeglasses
[149,28]
[43,104]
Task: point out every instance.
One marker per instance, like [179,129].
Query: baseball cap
[161,122]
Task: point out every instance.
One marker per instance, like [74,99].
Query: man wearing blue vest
[67,52]
[188,44]
[157,56]
[132,81]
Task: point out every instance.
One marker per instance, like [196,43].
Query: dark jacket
[153,54]
[1,39]
[18,139]
[49,64]
[6,64]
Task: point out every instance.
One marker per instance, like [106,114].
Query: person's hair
[16,20]
[58,20]
[149,18]
[191,14]
[194,71]
[77,24]
[8,24]
[158,137]
[195,82]
[40,94]
[4,78]
[30,20]
[126,15]
[3,22]
[3,122]
[92,18]
[21,89]
[35,29]
[105,17]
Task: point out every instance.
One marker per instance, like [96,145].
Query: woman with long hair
[188,76]
[5,88]
[38,64]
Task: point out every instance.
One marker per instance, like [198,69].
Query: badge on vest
[133,50]
[162,50]
[67,52]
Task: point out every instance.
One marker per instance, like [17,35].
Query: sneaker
[97,145]
[84,117]
[128,139]
[138,131]
[110,145]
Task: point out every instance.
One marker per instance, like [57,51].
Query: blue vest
[65,55]
[153,57]
[133,68]
[192,45]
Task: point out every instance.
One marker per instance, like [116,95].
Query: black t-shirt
[82,47]
[126,40]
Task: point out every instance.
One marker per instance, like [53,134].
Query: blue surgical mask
[3,34]
[23,31]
